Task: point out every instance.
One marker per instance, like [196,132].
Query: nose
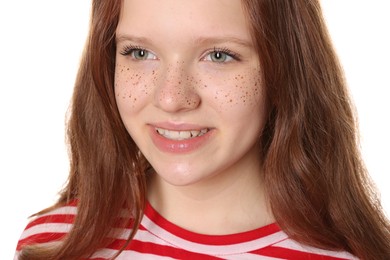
[175,90]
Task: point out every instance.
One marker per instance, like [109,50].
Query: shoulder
[49,227]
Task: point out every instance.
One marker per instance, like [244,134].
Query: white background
[40,45]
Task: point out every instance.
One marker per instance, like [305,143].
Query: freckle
[205,86]
[231,100]
[128,69]
[135,99]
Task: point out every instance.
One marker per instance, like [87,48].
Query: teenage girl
[211,129]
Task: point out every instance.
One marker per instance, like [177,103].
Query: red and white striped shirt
[158,238]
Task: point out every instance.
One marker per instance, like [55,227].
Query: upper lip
[178,126]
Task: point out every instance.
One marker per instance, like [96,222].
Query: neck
[228,203]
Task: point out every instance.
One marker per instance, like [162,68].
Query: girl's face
[188,88]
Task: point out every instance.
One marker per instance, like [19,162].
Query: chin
[179,178]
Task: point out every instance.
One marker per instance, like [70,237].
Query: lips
[182,138]
[180,135]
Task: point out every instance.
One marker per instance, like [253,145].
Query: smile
[180,135]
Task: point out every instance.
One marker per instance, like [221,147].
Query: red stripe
[39,238]
[157,249]
[291,254]
[163,250]
[72,203]
[70,218]
[209,239]
[58,218]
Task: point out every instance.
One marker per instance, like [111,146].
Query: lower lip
[179,146]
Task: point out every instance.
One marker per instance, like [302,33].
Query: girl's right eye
[138,53]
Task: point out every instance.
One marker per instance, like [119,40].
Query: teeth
[195,133]
[180,135]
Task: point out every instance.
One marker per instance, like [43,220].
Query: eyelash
[234,55]
[128,49]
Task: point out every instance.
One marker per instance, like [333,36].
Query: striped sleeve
[48,228]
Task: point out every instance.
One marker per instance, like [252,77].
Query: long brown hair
[318,188]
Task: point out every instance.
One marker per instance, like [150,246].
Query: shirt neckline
[156,223]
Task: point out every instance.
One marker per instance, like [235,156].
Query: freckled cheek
[132,87]
[237,92]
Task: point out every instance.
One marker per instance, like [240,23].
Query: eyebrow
[126,37]
[223,39]
[197,41]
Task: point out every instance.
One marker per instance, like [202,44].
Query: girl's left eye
[221,56]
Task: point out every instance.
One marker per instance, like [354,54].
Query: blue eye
[138,53]
[141,54]
[221,56]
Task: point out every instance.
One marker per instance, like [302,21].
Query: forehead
[167,18]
